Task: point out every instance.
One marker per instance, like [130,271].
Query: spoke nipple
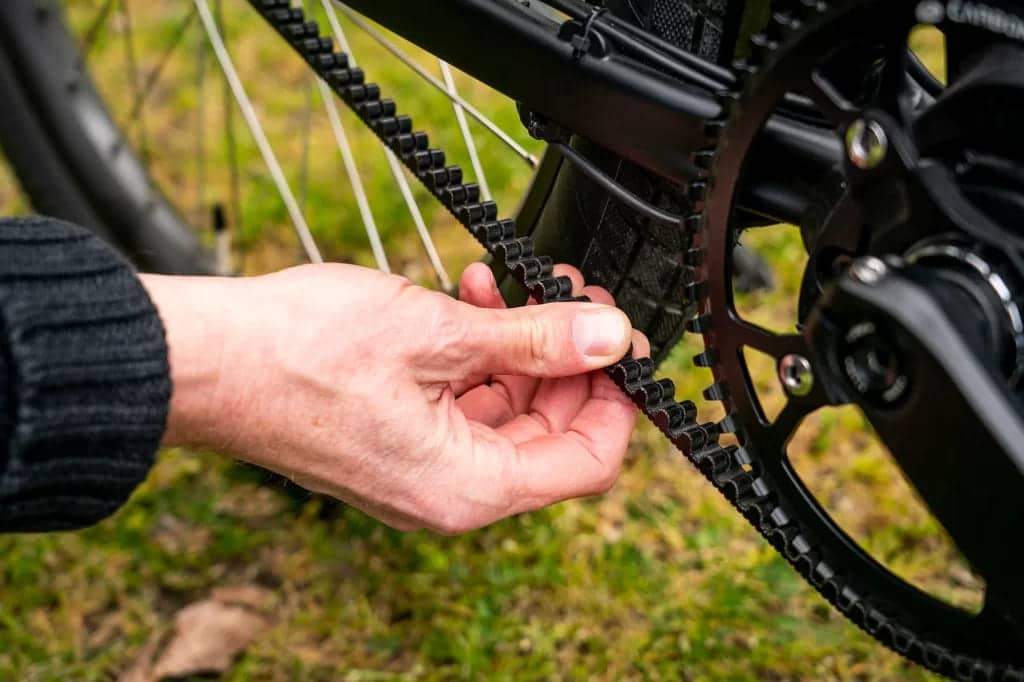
[866,144]
[869,270]
[796,375]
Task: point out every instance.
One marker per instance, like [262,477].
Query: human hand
[418,409]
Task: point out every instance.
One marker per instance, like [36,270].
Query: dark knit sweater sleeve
[84,373]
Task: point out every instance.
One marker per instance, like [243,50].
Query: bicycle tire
[67,151]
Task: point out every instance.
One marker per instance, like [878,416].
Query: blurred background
[660,579]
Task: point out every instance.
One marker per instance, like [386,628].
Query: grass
[660,579]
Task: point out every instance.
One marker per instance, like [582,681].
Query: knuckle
[445,333]
[537,339]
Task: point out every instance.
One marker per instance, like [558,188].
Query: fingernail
[599,332]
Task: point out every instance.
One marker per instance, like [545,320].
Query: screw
[868,270]
[931,12]
[872,365]
[796,375]
[866,143]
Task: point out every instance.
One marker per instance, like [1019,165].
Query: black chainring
[756,477]
[789,57]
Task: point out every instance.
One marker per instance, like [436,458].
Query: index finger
[585,460]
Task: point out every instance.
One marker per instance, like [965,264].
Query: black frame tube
[650,117]
[633,110]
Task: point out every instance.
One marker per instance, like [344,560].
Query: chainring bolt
[866,144]
[869,270]
[873,366]
[796,375]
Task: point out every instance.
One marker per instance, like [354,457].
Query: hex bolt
[796,375]
[931,12]
[866,144]
[868,270]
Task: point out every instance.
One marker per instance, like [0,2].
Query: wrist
[200,317]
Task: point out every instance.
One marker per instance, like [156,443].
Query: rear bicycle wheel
[83,156]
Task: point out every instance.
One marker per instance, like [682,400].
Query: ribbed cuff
[84,361]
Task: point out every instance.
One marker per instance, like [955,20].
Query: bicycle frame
[614,95]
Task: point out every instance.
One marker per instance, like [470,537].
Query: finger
[584,461]
[552,410]
[558,401]
[521,390]
[507,395]
[574,275]
[641,346]
[540,341]
[477,287]
[487,406]
[597,295]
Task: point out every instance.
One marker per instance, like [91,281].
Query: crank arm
[889,342]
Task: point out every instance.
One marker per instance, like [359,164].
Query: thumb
[554,340]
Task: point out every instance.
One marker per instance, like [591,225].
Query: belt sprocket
[754,476]
[791,56]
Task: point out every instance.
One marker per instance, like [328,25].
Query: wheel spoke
[200,137]
[252,120]
[347,157]
[307,135]
[362,201]
[235,222]
[153,79]
[433,81]
[444,281]
[135,76]
[307,128]
[467,135]
[99,20]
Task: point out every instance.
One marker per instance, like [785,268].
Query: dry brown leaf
[207,637]
[141,670]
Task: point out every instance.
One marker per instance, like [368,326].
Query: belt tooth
[715,462]
[729,424]
[675,415]
[699,325]
[706,359]
[552,289]
[690,439]
[716,391]
[657,393]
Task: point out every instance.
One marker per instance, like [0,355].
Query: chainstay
[730,469]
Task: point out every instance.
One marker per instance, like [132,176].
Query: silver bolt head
[796,375]
[866,144]
[930,12]
[868,270]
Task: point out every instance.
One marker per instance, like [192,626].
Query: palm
[535,414]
